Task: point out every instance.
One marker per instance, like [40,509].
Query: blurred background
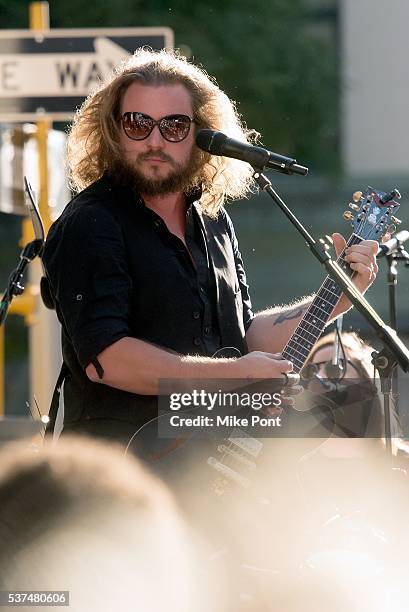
[324,81]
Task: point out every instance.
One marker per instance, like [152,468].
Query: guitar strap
[55,402]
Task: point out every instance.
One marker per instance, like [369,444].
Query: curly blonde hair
[93,143]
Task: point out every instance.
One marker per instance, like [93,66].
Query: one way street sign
[52,72]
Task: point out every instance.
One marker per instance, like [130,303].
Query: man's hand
[258,364]
[362,260]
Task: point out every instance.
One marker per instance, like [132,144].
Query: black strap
[55,402]
[98,367]
[46,293]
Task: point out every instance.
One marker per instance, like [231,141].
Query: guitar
[233,460]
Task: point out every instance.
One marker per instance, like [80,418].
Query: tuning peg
[353,206]
[387,197]
[396,221]
[348,216]
[356,196]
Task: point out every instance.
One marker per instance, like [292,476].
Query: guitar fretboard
[315,319]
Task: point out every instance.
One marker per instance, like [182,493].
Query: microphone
[32,250]
[392,245]
[218,143]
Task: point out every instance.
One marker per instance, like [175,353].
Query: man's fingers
[369,247]
[339,243]
[371,244]
[363,269]
[355,257]
[362,259]
[285,365]
[364,249]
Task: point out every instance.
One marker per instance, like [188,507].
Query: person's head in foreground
[83,518]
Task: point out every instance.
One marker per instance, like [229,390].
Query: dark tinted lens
[175,127]
[137,126]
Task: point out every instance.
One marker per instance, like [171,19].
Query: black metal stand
[14,287]
[32,250]
[392,278]
[394,351]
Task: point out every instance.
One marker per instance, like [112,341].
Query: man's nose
[155,138]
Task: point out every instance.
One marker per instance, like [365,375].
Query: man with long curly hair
[144,264]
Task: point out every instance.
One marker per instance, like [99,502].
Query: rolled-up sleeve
[85,262]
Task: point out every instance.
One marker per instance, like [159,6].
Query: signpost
[50,72]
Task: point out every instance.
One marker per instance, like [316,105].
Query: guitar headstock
[373,216]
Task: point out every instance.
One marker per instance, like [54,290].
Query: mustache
[158,154]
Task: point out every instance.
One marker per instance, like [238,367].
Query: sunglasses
[311,369]
[173,128]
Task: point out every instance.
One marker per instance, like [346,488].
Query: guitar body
[168,457]
[237,465]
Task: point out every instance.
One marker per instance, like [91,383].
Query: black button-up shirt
[115,271]
[197,268]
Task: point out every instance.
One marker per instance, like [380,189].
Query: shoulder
[99,198]
[96,213]
[99,204]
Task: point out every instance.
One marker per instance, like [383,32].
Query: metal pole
[2,366]
[43,331]
[40,21]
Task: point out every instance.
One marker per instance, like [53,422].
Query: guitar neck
[315,319]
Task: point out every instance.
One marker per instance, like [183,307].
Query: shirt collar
[192,197]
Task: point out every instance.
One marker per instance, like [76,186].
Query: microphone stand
[394,352]
[392,280]
[14,287]
[334,369]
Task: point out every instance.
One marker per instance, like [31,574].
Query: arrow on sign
[56,74]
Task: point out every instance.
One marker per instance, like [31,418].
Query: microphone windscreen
[211,141]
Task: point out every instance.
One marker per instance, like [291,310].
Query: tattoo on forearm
[288,315]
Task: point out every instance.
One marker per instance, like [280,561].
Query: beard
[182,178]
